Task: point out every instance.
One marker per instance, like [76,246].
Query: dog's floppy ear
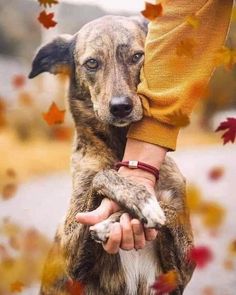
[141,21]
[54,57]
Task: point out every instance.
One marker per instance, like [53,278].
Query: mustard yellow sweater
[180,52]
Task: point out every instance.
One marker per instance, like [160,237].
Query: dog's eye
[91,64]
[136,57]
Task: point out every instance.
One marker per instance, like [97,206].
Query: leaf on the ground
[193,21]
[54,115]
[179,119]
[9,191]
[201,255]
[46,19]
[17,287]
[186,47]
[166,283]
[46,3]
[75,287]
[216,173]
[152,11]
[232,247]
[18,81]
[213,214]
[225,57]
[230,134]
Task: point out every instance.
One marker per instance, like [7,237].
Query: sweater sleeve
[179,61]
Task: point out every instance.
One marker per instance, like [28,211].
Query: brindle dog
[104,60]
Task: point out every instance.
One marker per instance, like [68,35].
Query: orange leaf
[185,47]
[216,173]
[166,283]
[193,21]
[17,287]
[18,81]
[46,19]
[152,11]
[54,115]
[46,3]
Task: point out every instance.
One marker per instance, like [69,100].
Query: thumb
[105,209]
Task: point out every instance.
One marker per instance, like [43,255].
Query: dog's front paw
[153,213]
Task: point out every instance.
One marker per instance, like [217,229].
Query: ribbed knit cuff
[152,131]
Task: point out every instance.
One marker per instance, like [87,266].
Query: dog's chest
[140,267]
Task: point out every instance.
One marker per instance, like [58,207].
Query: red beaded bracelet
[138,165]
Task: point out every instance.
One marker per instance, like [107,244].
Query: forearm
[179,61]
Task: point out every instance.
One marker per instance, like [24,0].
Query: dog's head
[104,60]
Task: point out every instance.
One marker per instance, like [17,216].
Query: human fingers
[105,209]
[113,243]
[138,234]
[127,241]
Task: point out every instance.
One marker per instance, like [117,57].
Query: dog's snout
[121,107]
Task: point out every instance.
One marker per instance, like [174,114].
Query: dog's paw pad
[153,213]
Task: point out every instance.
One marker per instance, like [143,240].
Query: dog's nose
[121,107]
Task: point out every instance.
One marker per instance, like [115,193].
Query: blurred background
[35,181]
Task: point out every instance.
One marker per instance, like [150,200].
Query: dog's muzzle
[121,107]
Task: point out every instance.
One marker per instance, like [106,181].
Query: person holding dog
[179,61]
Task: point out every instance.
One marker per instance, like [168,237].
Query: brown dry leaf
[47,19]
[54,115]
[213,214]
[9,191]
[225,57]
[186,47]
[152,11]
[179,119]
[193,21]
[46,3]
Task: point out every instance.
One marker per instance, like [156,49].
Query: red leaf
[46,19]
[201,256]
[18,81]
[166,283]
[229,135]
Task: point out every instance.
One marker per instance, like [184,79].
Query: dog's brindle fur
[99,142]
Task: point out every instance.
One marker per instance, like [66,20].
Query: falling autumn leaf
[152,11]
[193,21]
[54,115]
[46,3]
[62,133]
[216,173]
[226,57]
[17,287]
[186,47]
[46,19]
[194,199]
[75,287]
[213,214]
[229,135]
[179,119]
[18,81]
[232,247]
[201,256]
[9,191]
[166,283]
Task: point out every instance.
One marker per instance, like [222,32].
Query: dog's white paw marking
[153,214]
[100,231]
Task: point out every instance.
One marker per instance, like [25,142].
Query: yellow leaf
[194,199]
[17,287]
[213,214]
